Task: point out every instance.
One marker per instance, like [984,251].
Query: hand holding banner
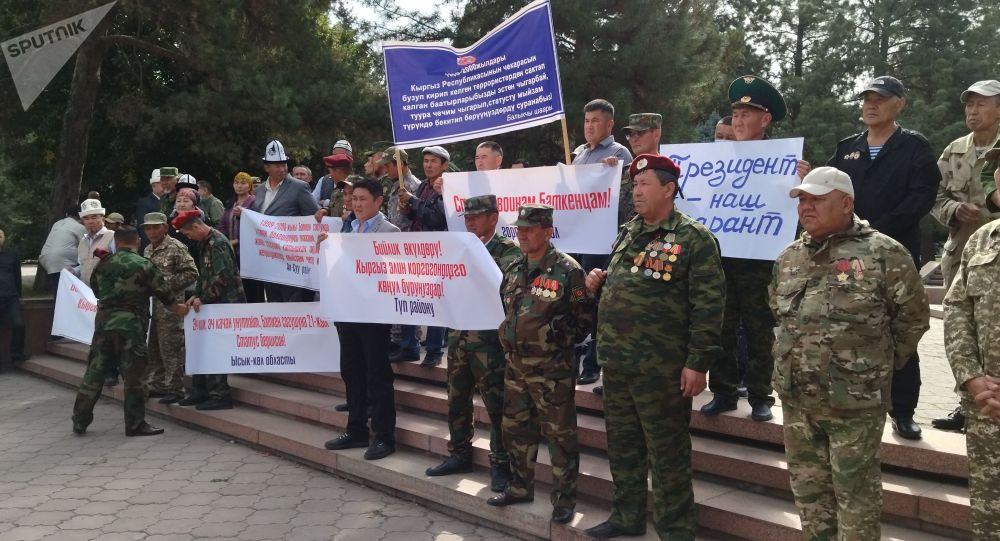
[282,249]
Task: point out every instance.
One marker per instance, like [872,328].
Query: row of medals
[544,287]
[656,258]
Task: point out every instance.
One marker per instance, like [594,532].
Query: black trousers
[254,290]
[906,388]
[364,365]
[11,314]
[283,293]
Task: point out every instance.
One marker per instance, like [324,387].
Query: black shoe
[145,430]
[505,499]
[562,515]
[79,430]
[599,390]
[452,464]
[718,405]
[158,394]
[192,400]
[401,356]
[607,530]
[906,428]
[761,412]
[586,378]
[499,477]
[431,359]
[346,441]
[953,421]
[215,404]
[110,381]
[170,399]
[18,359]
[340,407]
[379,449]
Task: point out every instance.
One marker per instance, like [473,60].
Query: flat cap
[440,152]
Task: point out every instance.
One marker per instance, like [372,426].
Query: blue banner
[508,80]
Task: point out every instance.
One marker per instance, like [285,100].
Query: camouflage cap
[154,218]
[169,172]
[115,218]
[351,180]
[532,214]
[389,156]
[480,204]
[643,122]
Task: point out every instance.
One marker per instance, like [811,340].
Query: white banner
[76,307]
[437,279]
[35,58]
[257,338]
[282,249]
[585,198]
[739,190]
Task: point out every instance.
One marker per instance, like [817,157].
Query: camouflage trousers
[129,349]
[165,369]
[982,434]
[746,302]
[835,473]
[468,372]
[539,402]
[647,423]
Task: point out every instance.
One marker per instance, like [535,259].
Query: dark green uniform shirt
[219,278]
[504,252]
[661,306]
[123,283]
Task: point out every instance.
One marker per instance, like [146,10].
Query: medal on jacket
[858,268]
[843,266]
[654,260]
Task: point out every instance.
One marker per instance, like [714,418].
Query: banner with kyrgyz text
[75,309]
[739,190]
[585,198]
[282,249]
[434,278]
[260,337]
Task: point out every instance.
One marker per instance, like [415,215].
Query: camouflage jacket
[391,201]
[626,207]
[848,310]
[504,252]
[548,309]
[123,283]
[167,202]
[174,261]
[219,279]
[661,306]
[972,309]
[965,178]
[336,207]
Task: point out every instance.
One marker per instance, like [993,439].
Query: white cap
[823,180]
[344,144]
[440,152]
[274,152]
[90,207]
[154,177]
[990,87]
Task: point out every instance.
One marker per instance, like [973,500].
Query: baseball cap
[885,85]
[987,88]
[823,180]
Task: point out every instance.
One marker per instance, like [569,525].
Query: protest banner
[506,81]
[585,198]
[739,190]
[258,338]
[75,309]
[282,249]
[436,279]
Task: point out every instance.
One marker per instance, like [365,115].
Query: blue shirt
[605,149]
[355,224]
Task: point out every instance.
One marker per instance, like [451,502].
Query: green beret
[480,204]
[532,214]
[752,91]
[643,122]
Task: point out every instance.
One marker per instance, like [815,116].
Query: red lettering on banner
[87,306]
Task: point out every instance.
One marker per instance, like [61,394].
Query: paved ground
[178,486]
[937,394]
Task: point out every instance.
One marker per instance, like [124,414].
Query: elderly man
[849,306]
[165,371]
[168,183]
[548,310]
[489,156]
[328,184]
[218,283]
[662,263]
[148,203]
[338,167]
[895,177]
[97,237]
[971,328]
[303,173]
[476,363]
[390,202]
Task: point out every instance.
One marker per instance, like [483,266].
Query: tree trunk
[77,122]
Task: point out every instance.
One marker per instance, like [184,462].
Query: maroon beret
[338,160]
[185,217]
[643,162]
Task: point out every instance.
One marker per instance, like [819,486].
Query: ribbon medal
[858,268]
[843,266]
[654,260]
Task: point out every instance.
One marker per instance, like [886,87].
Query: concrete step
[910,500]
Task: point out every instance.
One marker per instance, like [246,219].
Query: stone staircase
[741,480]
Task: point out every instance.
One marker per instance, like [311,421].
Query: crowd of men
[831,326]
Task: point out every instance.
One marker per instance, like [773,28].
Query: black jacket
[896,189]
[10,273]
[427,215]
[143,206]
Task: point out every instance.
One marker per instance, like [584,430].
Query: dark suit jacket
[294,198]
[143,206]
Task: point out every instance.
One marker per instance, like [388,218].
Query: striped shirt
[873,151]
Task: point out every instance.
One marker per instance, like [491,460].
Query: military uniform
[336,206]
[548,310]
[849,308]
[971,330]
[476,363]
[165,373]
[123,283]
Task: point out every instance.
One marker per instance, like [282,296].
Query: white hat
[90,207]
[344,144]
[154,177]
[823,180]
[990,87]
[440,152]
[274,152]
[187,179]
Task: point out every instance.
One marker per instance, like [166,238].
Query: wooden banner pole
[565,132]
[399,170]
